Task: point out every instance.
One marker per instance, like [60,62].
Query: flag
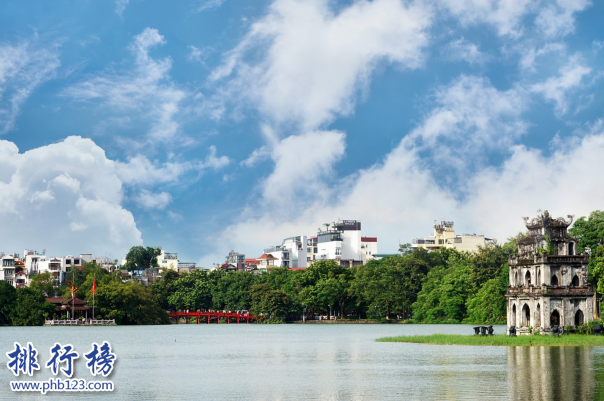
[93,286]
[73,288]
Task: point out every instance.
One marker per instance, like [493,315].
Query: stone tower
[548,289]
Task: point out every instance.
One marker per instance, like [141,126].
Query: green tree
[140,258]
[487,263]
[390,284]
[165,287]
[43,282]
[589,231]
[31,308]
[233,291]
[193,291]
[444,293]
[130,304]
[269,302]
[597,267]
[8,300]
[489,304]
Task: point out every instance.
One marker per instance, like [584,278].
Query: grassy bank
[539,340]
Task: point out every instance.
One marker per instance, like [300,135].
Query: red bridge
[208,315]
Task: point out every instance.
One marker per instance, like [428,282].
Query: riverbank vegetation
[500,339]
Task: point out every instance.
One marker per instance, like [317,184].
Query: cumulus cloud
[150,200]
[24,66]
[563,183]
[309,61]
[146,89]
[556,88]
[63,197]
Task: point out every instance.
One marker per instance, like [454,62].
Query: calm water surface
[314,361]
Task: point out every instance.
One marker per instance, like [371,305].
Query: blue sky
[213,125]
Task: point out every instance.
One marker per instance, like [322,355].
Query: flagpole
[93,291]
[72,293]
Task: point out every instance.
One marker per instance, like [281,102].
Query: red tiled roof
[251,261]
[297,268]
[368,239]
[267,256]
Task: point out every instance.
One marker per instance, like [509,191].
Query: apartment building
[443,235]
[292,252]
[342,242]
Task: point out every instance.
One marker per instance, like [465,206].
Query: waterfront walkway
[77,322]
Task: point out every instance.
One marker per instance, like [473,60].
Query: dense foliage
[439,286]
[24,306]
[140,258]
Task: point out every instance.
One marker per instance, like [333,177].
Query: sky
[216,125]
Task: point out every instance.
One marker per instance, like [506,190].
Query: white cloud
[505,15]
[460,131]
[557,18]
[120,6]
[309,62]
[176,217]
[210,4]
[146,89]
[23,68]
[258,155]
[529,54]
[150,200]
[463,50]
[556,88]
[195,53]
[562,183]
[63,197]
[140,170]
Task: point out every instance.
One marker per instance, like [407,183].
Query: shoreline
[572,340]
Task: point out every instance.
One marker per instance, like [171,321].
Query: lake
[312,361]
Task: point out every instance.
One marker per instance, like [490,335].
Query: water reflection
[551,373]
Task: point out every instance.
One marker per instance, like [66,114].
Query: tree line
[442,286]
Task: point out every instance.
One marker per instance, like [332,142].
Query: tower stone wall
[548,280]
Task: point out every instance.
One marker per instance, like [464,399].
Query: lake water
[313,361]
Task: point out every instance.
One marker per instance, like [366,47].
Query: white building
[291,253]
[443,234]
[7,268]
[56,268]
[168,260]
[343,243]
[31,259]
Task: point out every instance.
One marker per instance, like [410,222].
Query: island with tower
[549,283]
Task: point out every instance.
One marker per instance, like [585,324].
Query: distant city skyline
[211,126]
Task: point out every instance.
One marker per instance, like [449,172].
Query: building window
[338,251]
[308,250]
[76,261]
[308,258]
[313,257]
[286,255]
[315,250]
[67,261]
